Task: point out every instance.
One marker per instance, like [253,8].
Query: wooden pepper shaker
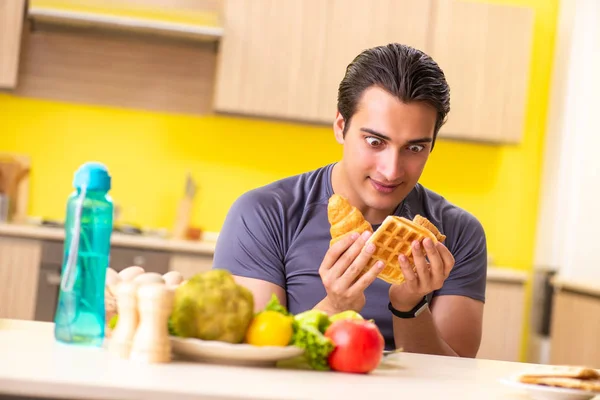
[122,337]
[151,343]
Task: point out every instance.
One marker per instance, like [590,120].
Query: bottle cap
[94,176]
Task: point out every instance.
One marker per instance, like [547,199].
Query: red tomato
[358,346]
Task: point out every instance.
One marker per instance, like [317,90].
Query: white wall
[568,238]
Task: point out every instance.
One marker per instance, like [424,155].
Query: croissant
[344,219]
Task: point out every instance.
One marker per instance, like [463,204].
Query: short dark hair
[403,71]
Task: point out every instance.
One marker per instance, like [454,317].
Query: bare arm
[452,327]
[262,291]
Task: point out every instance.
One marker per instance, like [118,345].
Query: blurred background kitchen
[190,103]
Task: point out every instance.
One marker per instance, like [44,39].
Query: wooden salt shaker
[127,324]
[151,343]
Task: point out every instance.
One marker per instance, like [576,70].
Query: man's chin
[384,203]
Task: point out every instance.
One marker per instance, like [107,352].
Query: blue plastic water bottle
[80,313]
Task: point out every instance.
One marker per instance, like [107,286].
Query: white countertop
[507,274]
[117,239]
[33,364]
[587,287]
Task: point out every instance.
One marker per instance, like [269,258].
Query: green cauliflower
[212,306]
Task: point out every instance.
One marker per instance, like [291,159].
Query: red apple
[358,346]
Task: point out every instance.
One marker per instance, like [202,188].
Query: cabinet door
[502,321]
[150,260]
[484,50]
[11,24]
[575,329]
[189,265]
[285,59]
[19,274]
[270,58]
[356,25]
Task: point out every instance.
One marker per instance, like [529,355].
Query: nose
[391,167]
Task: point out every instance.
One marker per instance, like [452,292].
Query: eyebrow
[384,137]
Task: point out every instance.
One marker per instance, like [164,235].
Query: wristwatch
[418,309]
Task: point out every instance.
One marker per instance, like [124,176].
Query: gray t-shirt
[280,233]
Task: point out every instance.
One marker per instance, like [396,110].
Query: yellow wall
[148,155]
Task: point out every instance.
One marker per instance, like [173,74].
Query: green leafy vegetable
[309,328]
[172,331]
[113,321]
[275,305]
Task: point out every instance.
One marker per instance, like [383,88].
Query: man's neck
[340,185]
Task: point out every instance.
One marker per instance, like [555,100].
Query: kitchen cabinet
[575,323]
[355,25]
[503,319]
[270,58]
[285,60]
[484,50]
[31,262]
[158,75]
[19,270]
[189,265]
[150,260]
[11,24]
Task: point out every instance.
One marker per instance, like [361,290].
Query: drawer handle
[139,260]
[53,278]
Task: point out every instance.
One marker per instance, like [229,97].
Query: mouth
[383,188]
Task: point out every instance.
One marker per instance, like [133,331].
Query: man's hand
[340,271]
[427,277]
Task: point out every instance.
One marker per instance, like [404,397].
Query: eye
[415,148]
[373,141]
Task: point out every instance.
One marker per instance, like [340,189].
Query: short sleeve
[469,274]
[250,241]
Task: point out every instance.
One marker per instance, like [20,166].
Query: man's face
[386,147]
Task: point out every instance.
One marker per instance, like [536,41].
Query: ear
[338,127]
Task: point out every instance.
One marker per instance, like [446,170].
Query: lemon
[270,328]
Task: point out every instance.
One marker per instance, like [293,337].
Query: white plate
[541,392]
[236,354]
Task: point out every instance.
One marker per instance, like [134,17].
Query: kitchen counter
[494,273]
[34,365]
[117,239]
[507,275]
[585,287]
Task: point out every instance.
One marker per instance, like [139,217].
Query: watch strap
[409,314]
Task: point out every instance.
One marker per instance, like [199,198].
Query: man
[275,239]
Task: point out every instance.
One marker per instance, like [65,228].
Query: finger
[409,275]
[421,266]
[358,265]
[338,248]
[436,264]
[348,257]
[447,257]
[369,277]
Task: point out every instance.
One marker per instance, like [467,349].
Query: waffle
[392,238]
[590,385]
[565,376]
[560,371]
